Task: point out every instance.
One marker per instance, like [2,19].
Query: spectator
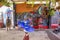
[8,23]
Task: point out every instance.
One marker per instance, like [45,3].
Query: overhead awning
[57,0]
[23,7]
[31,2]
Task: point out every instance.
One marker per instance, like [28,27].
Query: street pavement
[18,35]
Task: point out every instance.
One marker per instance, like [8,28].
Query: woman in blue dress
[25,24]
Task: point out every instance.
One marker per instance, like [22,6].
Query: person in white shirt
[3,10]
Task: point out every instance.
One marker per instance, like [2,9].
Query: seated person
[40,21]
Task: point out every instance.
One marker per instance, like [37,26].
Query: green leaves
[51,12]
[4,2]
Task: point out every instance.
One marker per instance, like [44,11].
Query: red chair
[45,27]
[53,26]
[40,26]
[1,25]
[36,27]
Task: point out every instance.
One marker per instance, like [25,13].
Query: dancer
[26,27]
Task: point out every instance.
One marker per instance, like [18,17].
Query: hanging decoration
[54,2]
[41,1]
[33,3]
[52,5]
[47,2]
[40,10]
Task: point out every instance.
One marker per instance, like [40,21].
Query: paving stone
[18,35]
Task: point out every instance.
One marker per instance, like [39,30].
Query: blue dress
[25,25]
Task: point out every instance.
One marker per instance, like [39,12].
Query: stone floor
[18,35]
